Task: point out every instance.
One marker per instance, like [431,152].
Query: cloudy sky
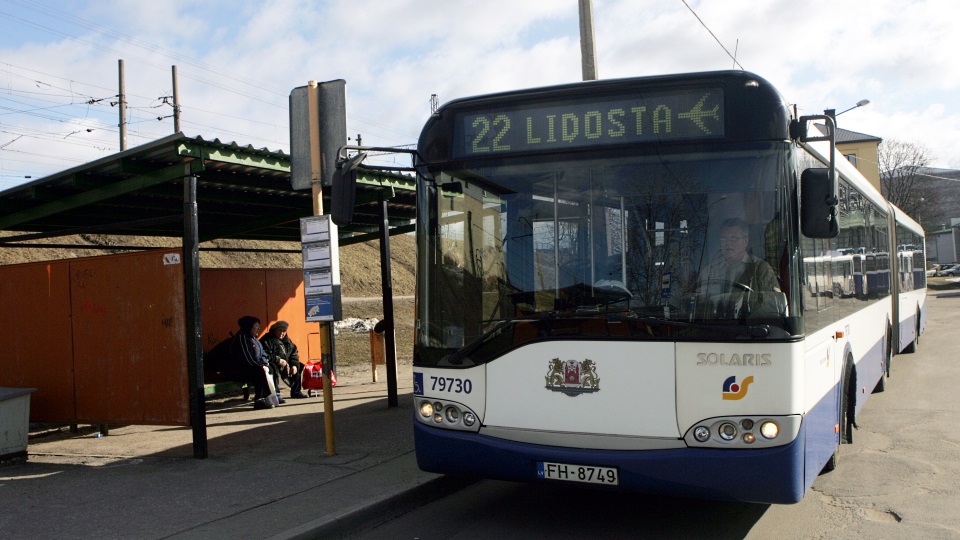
[238,60]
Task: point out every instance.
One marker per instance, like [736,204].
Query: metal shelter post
[386,279]
[191,293]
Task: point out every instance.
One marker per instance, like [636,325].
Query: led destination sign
[663,116]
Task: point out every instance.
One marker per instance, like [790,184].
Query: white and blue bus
[567,331]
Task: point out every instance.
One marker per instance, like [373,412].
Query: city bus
[569,325]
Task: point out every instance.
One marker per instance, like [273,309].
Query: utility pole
[123,110]
[176,103]
[588,53]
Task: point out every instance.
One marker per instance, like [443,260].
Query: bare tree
[901,178]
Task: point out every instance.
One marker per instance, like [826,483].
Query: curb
[369,514]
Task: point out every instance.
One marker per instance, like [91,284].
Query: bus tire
[845,415]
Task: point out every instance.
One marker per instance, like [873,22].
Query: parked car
[949,269]
[953,270]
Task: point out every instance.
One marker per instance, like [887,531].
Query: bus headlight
[743,432]
[426,409]
[446,415]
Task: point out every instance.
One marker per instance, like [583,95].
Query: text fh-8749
[584,314]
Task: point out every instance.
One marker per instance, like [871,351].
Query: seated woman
[251,362]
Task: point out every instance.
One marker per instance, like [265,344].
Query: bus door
[822,360]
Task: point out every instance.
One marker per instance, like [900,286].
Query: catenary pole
[122,102]
[588,53]
[176,102]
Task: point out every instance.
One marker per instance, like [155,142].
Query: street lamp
[860,103]
[832,113]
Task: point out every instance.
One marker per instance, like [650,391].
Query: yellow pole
[326,336]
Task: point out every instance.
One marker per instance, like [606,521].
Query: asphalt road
[900,478]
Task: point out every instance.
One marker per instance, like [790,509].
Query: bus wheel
[845,418]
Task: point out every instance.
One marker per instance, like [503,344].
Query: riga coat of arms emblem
[572,377]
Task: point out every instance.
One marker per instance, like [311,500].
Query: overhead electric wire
[92,116]
[78,21]
[128,55]
[732,57]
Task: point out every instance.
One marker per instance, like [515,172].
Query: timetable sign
[315,229]
[317,282]
[317,255]
[321,269]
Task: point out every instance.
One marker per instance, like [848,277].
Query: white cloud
[238,61]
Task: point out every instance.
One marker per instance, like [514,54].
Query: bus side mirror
[818,204]
[343,196]
[343,190]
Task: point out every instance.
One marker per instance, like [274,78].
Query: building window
[852,158]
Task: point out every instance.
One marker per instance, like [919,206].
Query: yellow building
[861,150]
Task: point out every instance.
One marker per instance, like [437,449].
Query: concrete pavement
[268,475]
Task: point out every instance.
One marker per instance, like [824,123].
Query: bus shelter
[183,188]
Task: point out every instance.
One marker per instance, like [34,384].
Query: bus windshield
[688,246]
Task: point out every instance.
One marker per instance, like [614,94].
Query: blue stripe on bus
[773,475]
[780,475]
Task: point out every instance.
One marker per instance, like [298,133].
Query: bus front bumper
[770,475]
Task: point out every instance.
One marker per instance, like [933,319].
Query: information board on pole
[321,269]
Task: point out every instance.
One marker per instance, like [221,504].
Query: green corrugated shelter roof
[242,192]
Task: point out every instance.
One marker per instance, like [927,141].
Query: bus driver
[737,272]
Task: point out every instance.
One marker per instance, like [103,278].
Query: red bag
[313,377]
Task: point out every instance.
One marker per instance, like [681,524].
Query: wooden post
[376,352]
[326,329]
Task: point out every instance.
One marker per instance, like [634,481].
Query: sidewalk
[268,475]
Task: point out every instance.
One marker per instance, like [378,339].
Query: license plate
[568,472]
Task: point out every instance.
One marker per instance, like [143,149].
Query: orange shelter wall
[106,339]
[38,352]
[130,338]
[270,295]
[103,339]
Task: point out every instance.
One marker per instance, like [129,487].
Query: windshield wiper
[456,358]
[756,331]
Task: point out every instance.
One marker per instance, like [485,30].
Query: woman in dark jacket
[251,360]
[284,359]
